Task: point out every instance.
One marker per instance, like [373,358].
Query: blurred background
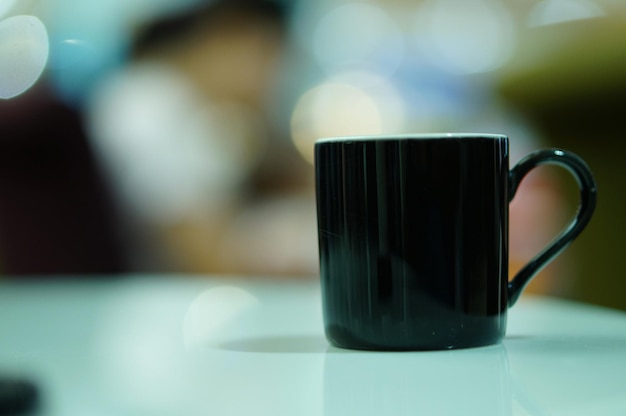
[177,135]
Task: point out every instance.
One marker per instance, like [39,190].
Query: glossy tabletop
[176,345]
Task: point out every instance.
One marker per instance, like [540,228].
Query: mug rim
[412,136]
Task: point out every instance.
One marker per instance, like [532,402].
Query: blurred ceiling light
[23,54]
[465,36]
[346,105]
[550,12]
[357,36]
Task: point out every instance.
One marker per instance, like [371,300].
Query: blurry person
[207,182]
[56,212]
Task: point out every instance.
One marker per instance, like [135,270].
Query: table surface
[176,345]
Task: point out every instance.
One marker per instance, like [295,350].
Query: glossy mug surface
[413,237]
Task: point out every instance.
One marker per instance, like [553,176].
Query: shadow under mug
[413,237]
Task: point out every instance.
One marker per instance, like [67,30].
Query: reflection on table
[174,345]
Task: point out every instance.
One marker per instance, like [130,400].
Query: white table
[182,346]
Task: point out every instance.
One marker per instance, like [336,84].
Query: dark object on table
[17,397]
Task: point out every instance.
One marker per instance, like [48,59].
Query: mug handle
[579,169]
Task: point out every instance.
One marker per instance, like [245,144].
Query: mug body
[413,240]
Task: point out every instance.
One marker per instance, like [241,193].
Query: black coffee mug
[413,237]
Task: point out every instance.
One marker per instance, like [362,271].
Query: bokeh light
[66,53]
[213,310]
[549,12]
[465,36]
[90,39]
[348,104]
[24,50]
[358,36]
